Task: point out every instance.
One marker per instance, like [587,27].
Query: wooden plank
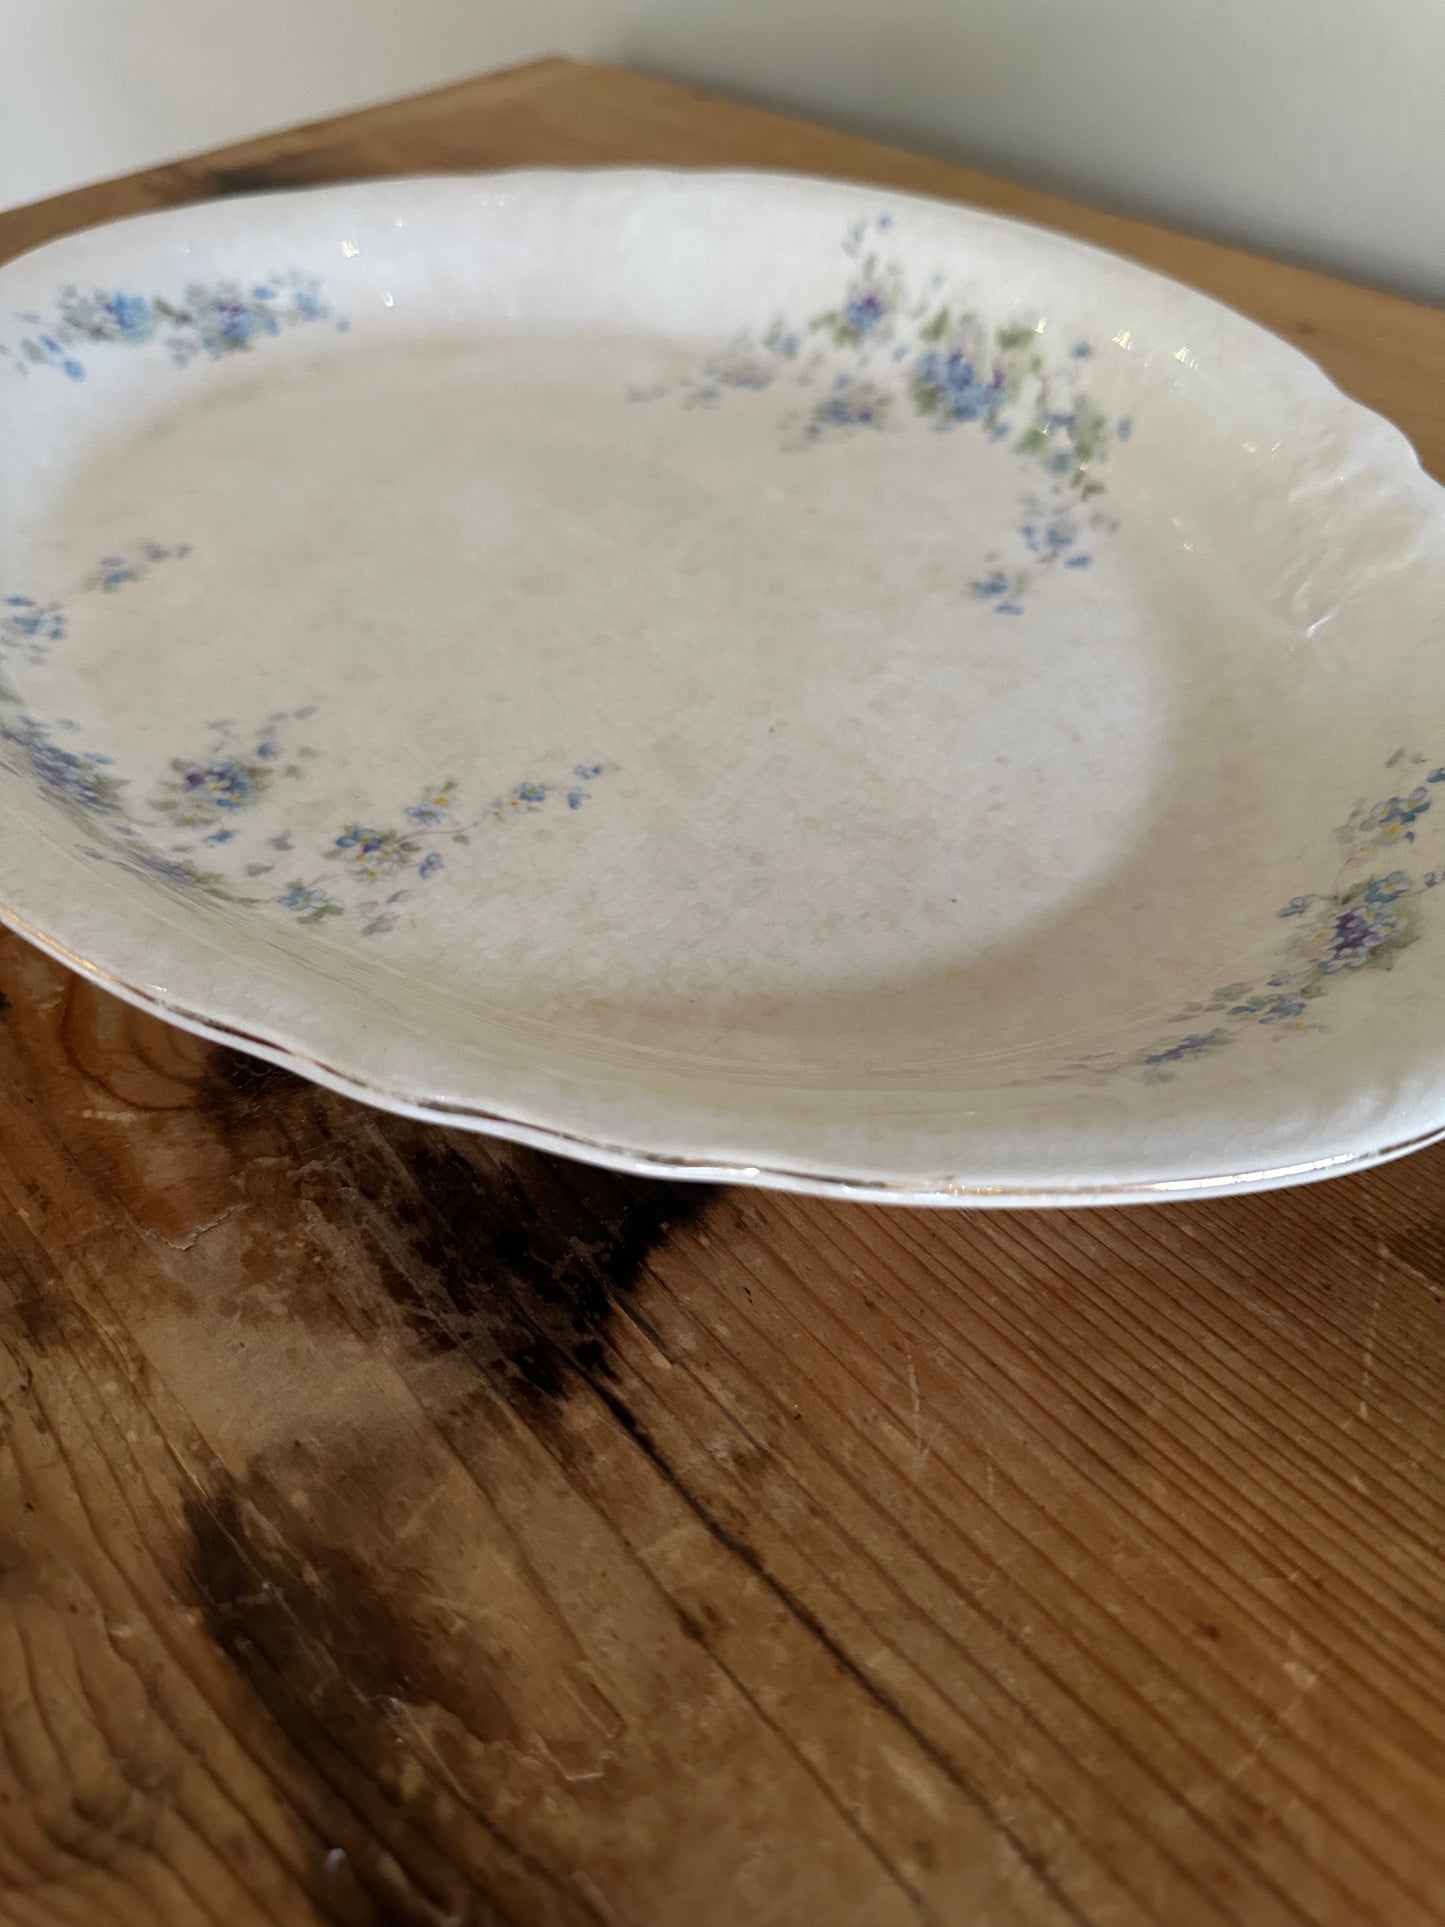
[396,1528]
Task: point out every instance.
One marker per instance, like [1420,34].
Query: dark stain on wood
[262,178]
[313,1610]
[335,1665]
[4,1003]
[234,1085]
[13,1561]
[36,1317]
[516,1259]
[517,1263]
[521,1266]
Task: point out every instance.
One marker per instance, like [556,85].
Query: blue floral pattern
[1361,922]
[205,799]
[80,777]
[881,351]
[886,352]
[223,318]
[28,628]
[204,793]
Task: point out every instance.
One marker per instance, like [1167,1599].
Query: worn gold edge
[614,1155]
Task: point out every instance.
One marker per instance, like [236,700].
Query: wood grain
[398,1530]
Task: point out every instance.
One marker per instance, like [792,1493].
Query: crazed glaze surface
[727,674]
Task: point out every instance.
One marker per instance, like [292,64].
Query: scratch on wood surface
[1367,1358]
[921,1449]
[194,1236]
[1276,1724]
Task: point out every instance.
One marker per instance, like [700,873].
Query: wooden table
[397,1529]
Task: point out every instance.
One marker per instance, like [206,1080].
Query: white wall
[1303,127]
[96,87]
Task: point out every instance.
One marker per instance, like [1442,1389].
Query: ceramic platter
[728,675]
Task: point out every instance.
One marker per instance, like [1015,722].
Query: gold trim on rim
[620,1157]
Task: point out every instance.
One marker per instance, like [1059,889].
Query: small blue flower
[1355,936]
[1267,1009]
[530,792]
[1396,812]
[232,322]
[1124,428]
[128,317]
[73,369]
[373,853]
[849,408]
[1009,609]
[864,312]
[1049,541]
[948,382]
[1297,906]
[1436,776]
[429,865]
[1382,890]
[1283,1008]
[32,623]
[302,896]
[1079,562]
[426,813]
[270,749]
[990,586]
[219,836]
[1062,461]
[73,775]
[1081,351]
[1186,1047]
[576,798]
[228,785]
[589,772]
